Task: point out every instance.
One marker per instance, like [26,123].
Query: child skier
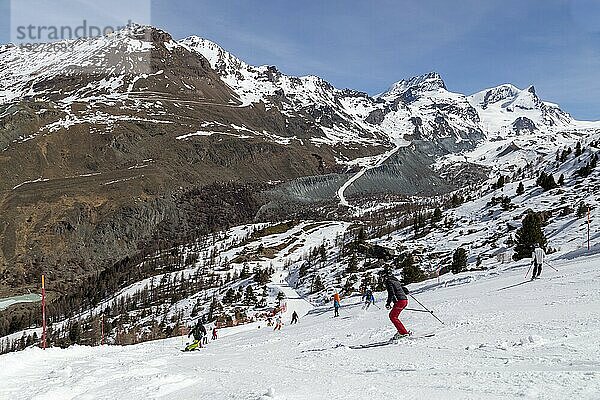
[537,260]
[278,323]
[396,295]
[368,299]
[214,333]
[336,304]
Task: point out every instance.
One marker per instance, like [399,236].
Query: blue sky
[367,45]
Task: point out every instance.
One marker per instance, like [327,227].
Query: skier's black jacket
[396,291]
[199,331]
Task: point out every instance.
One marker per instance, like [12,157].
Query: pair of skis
[391,341]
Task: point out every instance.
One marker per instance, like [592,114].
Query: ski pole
[414,309]
[528,269]
[548,264]
[431,312]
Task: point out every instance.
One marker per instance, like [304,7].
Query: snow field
[538,340]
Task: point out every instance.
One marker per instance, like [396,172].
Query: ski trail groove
[381,159]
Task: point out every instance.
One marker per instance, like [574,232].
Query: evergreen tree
[229,297]
[323,253]
[418,222]
[530,234]
[367,281]
[578,150]
[437,215]
[361,236]
[520,189]
[380,286]
[561,180]
[546,181]
[500,182]
[245,273]
[457,200]
[304,269]
[410,271]
[317,284]
[352,265]
[75,333]
[582,210]
[459,260]
[249,296]
[349,285]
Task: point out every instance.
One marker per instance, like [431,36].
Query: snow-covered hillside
[537,340]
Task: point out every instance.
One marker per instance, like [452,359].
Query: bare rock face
[523,124]
[96,160]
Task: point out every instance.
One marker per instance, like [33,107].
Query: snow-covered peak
[494,95]
[423,83]
[220,59]
[504,107]
[507,96]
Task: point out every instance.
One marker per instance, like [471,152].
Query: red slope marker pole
[588,228]
[43,313]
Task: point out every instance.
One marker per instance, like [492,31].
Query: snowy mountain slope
[506,110]
[484,227]
[430,112]
[418,108]
[139,70]
[481,225]
[222,258]
[339,113]
[537,340]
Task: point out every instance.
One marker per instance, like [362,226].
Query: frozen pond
[26,298]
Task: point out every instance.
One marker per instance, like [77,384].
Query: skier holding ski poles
[537,256]
[396,295]
[368,298]
[199,332]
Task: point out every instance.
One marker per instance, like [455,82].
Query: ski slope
[537,340]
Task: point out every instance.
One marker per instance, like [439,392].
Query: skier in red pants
[397,295]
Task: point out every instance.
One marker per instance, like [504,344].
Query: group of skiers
[200,336]
[397,301]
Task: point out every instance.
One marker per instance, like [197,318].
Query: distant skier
[199,332]
[396,295]
[368,298]
[294,317]
[278,323]
[537,260]
[336,304]
[214,333]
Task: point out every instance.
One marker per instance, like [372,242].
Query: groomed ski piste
[535,340]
